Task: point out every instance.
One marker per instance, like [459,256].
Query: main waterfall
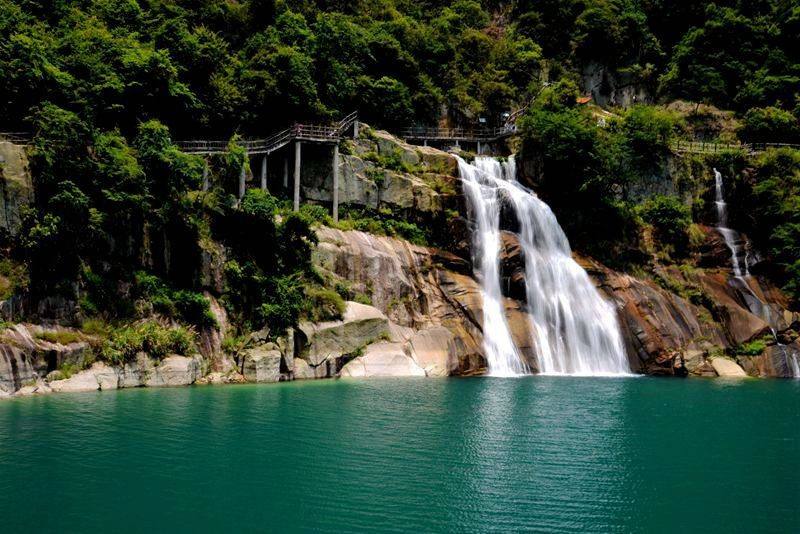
[575,331]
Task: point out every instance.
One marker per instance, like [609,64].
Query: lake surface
[543,454]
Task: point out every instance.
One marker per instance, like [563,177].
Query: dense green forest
[105,86]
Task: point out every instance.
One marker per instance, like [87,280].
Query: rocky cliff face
[15,184]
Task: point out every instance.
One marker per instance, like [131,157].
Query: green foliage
[670,218]
[382,222]
[769,124]
[63,337]
[752,348]
[150,337]
[187,306]
[775,206]
[324,304]
[13,278]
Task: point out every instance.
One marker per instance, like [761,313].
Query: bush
[765,125]
[670,218]
[62,337]
[324,305]
[150,337]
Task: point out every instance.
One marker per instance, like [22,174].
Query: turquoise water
[425,455]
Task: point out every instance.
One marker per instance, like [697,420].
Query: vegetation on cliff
[120,223]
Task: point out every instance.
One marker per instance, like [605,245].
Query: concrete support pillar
[286,173]
[424,142]
[479,148]
[264,173]
[296,205]
[205,175]
[242,177]
[335,194]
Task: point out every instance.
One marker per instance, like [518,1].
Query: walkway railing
[304,132]
[455,134]
[713,147]
[20,138]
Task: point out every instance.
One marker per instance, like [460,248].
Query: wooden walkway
[710,147]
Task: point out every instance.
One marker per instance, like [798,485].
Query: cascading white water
[502,355]
[754,303]
[575,331]
[731,237]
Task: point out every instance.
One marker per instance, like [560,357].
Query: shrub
[149,337]
[763,125]
[753,348]
[62,337]
[670,218]
[324,304]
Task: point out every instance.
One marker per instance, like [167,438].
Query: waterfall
[754,303]
[502,356]
[575,331]
[732,237]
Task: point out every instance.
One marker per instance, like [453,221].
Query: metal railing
[714,147]
[455,134]
[21,138]
[304,132]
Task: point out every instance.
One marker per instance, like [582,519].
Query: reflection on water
[537,453]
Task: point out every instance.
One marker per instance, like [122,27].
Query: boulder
[327,342]
[83,381]
[262,364]
[175,370]
[302,371]
[383,360]
[434,350]
[727,368]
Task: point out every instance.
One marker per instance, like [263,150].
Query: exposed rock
[107,377]
[325,344]
[175,370]
[211,337]
[16,185]
[742,326]
[434,350]
[416,287]
[302,371]
[262,364]
[727,368]
[383,360]
[657,325]
[82,381]
[15,368]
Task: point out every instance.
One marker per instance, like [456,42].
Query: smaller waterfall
[732,238]
[741,271]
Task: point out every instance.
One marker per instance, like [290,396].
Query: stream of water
[741,271]
[575,330]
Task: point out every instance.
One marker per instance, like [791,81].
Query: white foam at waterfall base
[575,331]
